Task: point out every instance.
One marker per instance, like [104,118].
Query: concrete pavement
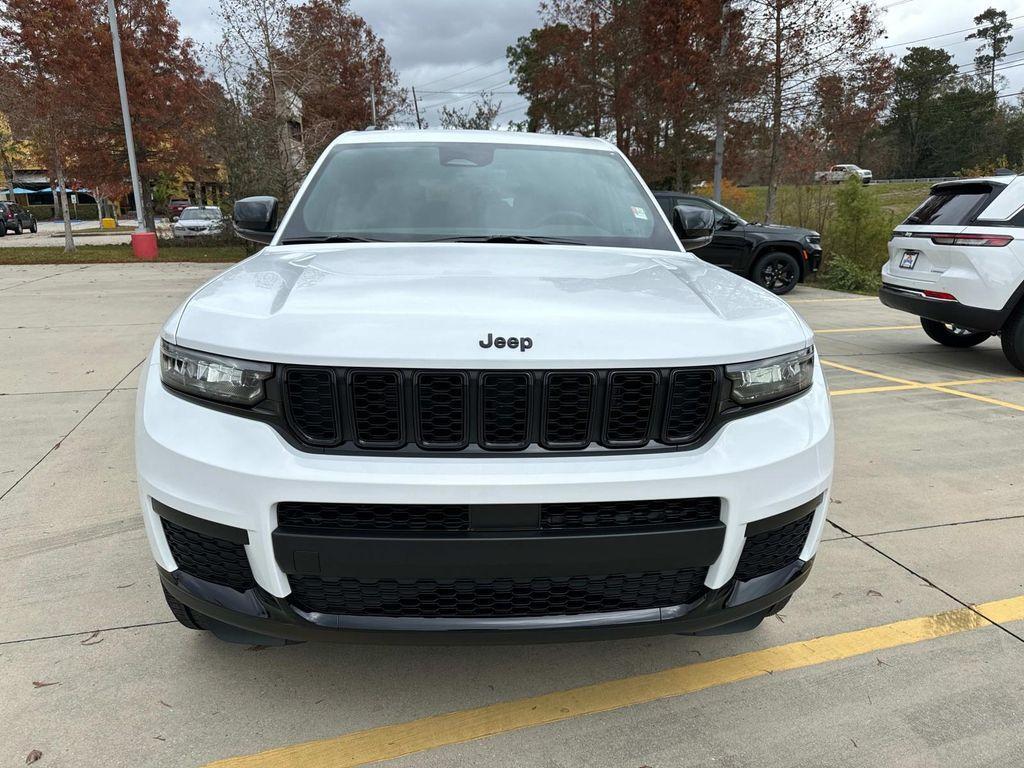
[926,518]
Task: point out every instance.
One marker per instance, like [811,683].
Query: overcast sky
[458,46]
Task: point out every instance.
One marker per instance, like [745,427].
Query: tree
[289,79]
[994,32]
[851,104]
[49,97]
[920,79]
[479,116]
[335,62]
[801,39]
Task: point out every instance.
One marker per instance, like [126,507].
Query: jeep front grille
[394,410]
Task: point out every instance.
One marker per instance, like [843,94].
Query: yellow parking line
[945,388]
[868,328]
[391,741]
[905,387]
[845,298]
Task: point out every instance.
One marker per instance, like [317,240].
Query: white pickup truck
[837,174]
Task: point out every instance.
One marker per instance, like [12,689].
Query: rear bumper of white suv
[211,485]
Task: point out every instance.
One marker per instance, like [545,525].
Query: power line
[944,34]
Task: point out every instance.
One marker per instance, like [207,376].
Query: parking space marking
[844,298]
[905,387]
[945,388]
[392,741]
[868,329]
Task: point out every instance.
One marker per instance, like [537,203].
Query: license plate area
[909,259]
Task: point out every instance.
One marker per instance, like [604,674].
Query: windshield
[421,191]
[199,213]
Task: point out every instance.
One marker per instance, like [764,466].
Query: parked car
[473,386]
[837,174]
[957,263]
[199,221]
[17,218]
[775,257]
[176,205]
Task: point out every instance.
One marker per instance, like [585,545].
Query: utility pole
[373,104]
[416,103]
[129,138]
[720,112]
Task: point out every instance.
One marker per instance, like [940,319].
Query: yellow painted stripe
[871,390]
[921,385]
[391,741]
[868,328]
[905,387]
[844,298]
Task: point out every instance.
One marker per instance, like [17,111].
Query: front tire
[1013,340]
[34,227]
[779,272]
[182,612]
[951,335]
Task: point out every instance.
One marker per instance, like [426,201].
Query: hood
[779,230]
[431,305]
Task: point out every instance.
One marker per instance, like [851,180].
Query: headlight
[765,380]
[213,377]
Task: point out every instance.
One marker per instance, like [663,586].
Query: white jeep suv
[474,387]
[958,263]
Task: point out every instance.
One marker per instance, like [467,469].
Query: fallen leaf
[33,756]
[160,738]
[125,586]
[93,639]
[874,593]
[55,447]
[39,684]
[166,704]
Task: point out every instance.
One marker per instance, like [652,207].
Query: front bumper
[227,471]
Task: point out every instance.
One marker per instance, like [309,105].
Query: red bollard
[144,246]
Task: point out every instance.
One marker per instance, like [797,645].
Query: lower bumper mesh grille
[769,551]
[215,560]
[497,598]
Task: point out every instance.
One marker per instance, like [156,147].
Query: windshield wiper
[329,239]
[528,239]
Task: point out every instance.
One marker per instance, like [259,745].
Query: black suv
[772,256]
[17,219]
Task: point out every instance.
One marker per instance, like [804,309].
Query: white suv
[958,263]
[474,386]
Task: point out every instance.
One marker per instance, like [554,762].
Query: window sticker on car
[639,213]
[909,259]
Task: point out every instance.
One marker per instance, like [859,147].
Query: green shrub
[858,239]
[845,274]
[41,212]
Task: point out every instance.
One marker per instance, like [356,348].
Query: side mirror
[694,225]
[255,218]
[727,222]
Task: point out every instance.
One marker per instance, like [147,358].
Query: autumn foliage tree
[73,111]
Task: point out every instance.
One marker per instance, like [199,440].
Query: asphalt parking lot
[926,522]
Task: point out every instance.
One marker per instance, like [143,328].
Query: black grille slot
[630,407]
[568,405]
[311,404]
[208,558]
[505,410]
[691,399]
[771,550]
[659,513]
[495,598]
[442,408]
[309,516]
[377,408]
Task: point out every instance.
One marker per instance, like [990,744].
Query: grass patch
[119,254]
